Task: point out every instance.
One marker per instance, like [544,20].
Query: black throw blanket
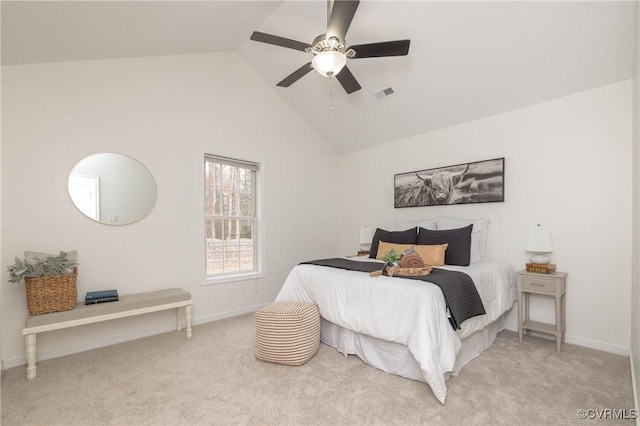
[460,293]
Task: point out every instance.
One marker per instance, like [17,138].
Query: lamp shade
[329,63]
[365,235]
[539,241]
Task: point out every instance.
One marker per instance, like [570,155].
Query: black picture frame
[466,183]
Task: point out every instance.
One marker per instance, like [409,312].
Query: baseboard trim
[587,343]
[594,344]
[228,314]
[165,327]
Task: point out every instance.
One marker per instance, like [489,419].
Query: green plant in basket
[392,256]
[42,267]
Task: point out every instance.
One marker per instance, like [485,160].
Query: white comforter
[409,312]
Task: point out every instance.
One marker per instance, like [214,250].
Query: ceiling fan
[329,52]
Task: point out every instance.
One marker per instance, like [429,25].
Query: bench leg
[179,319]
[30,341]
[188,318]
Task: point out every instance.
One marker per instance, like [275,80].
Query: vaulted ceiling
[467,60]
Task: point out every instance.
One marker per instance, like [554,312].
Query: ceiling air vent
[383,94]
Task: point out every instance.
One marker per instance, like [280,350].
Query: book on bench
[100,300]
[101,296]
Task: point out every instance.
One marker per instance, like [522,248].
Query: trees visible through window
[230,217]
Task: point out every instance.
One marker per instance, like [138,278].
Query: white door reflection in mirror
[84,192]
[123,191]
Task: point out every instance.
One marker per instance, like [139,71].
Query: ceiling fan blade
[278,41]
[378,50]
[296,75]
[348,81]
[341,16]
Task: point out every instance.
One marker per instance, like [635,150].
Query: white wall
[166,112]
[568,165]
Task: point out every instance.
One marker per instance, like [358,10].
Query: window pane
[229,228]
[214,230]
[245,207]
[209,189]
[245,182]
[214,268]
[246,257]
[246,231]
[246,245]
[246,198]
[215,257]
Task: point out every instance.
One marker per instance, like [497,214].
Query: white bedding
[404,311]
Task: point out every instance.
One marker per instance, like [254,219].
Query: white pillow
[402,224]
[478,234]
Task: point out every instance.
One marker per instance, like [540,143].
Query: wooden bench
[129,305]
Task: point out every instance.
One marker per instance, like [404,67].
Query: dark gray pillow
[459,240]
[408,236]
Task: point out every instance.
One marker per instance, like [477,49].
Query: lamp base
[540,259]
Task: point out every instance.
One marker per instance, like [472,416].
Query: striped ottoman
[287,332]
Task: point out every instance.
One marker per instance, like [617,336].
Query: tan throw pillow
[432,255]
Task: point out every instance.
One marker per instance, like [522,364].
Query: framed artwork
[478,182]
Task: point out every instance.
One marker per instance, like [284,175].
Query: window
[231,219]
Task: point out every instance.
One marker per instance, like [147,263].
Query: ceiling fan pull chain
[331,93]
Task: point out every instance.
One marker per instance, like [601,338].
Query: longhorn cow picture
[478,182]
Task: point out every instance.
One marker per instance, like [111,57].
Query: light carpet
[214,378]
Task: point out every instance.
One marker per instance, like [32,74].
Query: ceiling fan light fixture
[329,62]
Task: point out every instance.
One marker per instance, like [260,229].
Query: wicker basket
[52,294]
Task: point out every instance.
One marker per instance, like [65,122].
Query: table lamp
[365,238]
[539,242]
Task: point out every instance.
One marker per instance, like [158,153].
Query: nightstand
[554,285]
[363,252]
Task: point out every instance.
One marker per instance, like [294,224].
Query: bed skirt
[395,358]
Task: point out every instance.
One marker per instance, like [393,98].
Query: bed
[401,325]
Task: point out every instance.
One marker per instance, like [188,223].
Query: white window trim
[202,267]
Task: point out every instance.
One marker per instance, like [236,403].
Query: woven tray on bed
[396,270]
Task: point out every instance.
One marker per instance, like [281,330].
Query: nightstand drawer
[546,285]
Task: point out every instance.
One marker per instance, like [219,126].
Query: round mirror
[112,188]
